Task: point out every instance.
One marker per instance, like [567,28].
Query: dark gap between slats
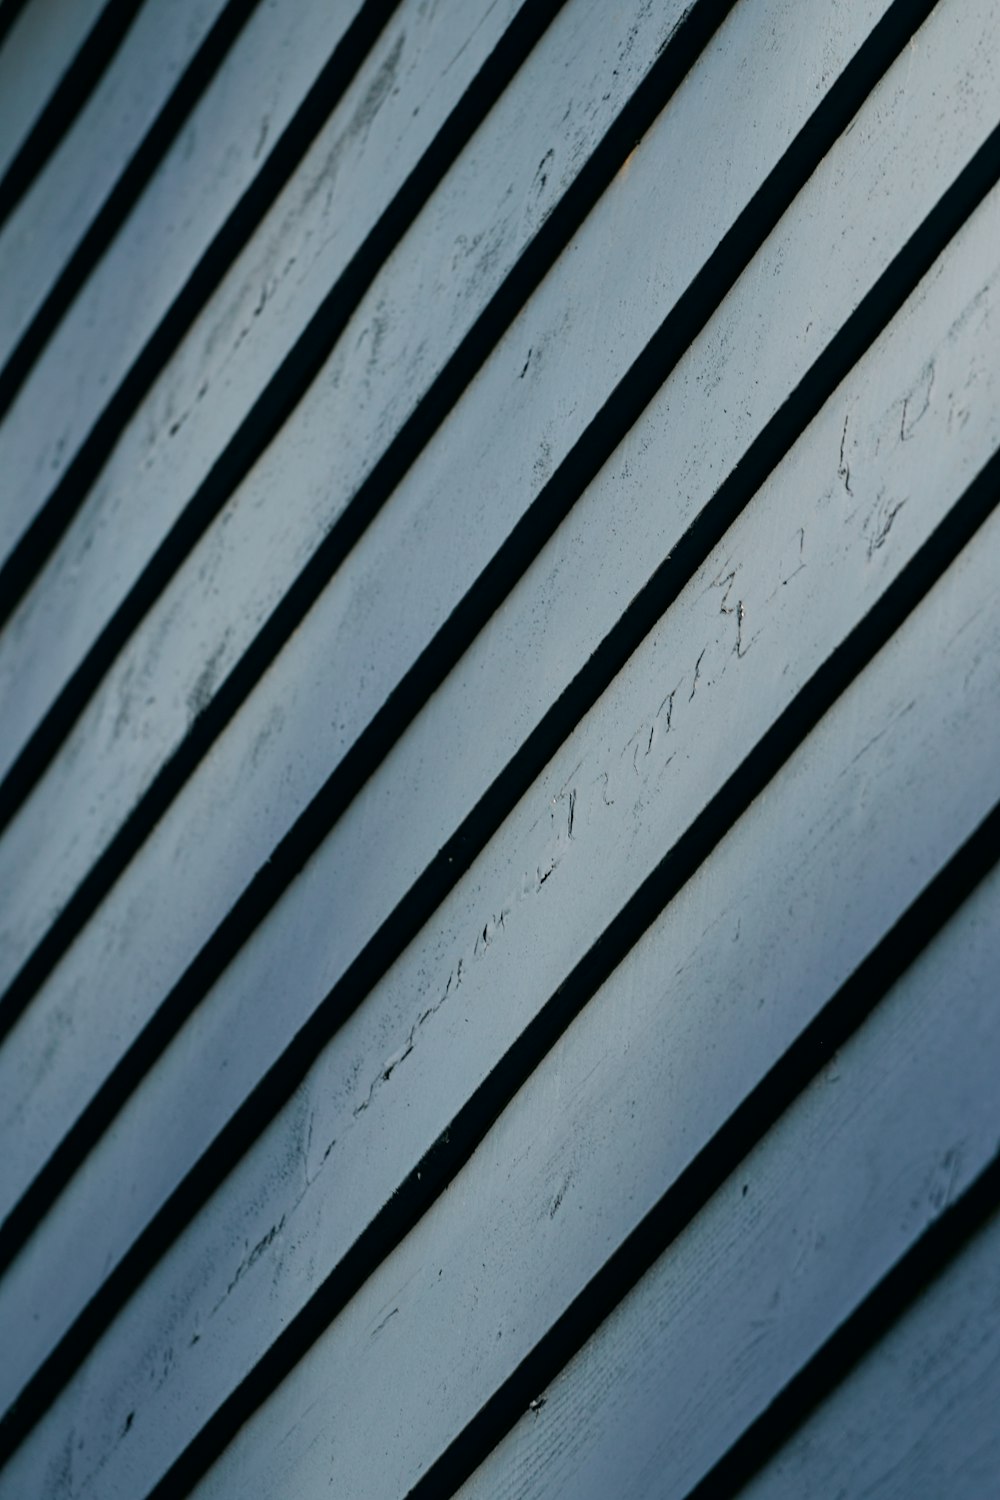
[68,97]
[269,413]
[9,13]
[40,539]
[143,163]
[898,1291]
[833,1025]
[759,1111]
[554,501]
[279,1082]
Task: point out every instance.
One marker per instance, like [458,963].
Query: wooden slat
[381,1130]
[374,137]
[33,58]
[896,1126]
[208,166]
[407,805]
[917,1419]
[54,215]
[418,507]
[622,1104]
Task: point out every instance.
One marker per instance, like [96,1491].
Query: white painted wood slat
[275,58]
[917,1419]
[297,954]
[373,138]
[893,1129]
[390,1082]
[295,703]
[36,52]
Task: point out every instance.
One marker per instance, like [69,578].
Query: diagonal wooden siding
[499,701]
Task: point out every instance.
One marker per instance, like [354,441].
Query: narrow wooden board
[381,1108]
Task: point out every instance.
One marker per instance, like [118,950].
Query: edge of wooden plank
[66,100]
[456,1144]
[838,1020]
[620,411]
[141,166]
[39,540]
[883,1307]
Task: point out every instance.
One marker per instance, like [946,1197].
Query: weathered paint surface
[374,137]
[280,748]
[577,1095]
[615,812]
[47,225]
[420,794]
[247,104]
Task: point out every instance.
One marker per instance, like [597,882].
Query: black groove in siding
[271,410]
[143,163]
[67,99]
[8,15]
[839,1019]
[868,320]
[58,511]
[900,1288]
[604,432]
[458,1142]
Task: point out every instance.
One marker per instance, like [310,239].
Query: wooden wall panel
[320,221]
[34,55]
[251,830]
[498,793]
[344,878]
[251,556]
[872,1152]
[54,215]
[202,176]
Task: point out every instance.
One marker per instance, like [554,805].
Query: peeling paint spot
[379,1326]
[915,405]
[843,467]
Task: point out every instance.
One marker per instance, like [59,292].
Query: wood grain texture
[524,1228]
[337,879]
[379,1119]
[254,820]
[897,1124]
[373,138]
[53,216]
[206,169]
[271,526]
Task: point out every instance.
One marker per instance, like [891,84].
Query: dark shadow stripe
[67,99]
[833,1025]
[694,846]
[261,425]
[9,13]
[603,433]
[267,416]
[722,1155]
[143,163]
[898,1291]
[41,538]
